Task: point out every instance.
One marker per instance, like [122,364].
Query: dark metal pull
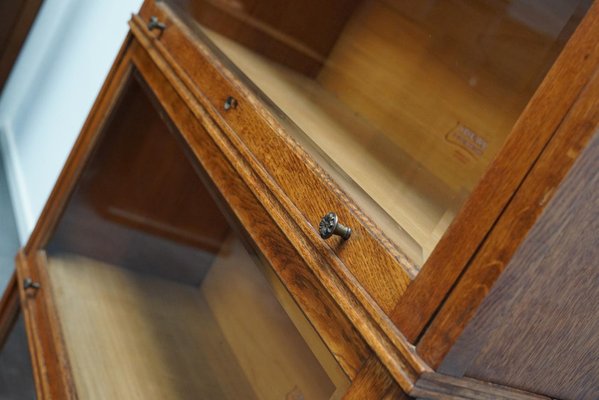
[156,24]
[230,103]
[30,284]
[329,226]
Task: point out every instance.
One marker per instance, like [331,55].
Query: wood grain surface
[536,125]
[538,328]
[51,369]
[442,387]
[539,187]
[373,383]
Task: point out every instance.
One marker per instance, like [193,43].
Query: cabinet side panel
[538,329]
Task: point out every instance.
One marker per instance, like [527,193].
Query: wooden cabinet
[181,254]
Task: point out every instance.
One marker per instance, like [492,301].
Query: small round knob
[230,103]
[28,283]
[329,226]
[156,24]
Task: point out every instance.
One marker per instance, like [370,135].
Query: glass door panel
[405,103]
[157,295]
[16,373]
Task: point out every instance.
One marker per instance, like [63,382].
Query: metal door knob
[329,226]
[156,24]
[230,102]
[28,283]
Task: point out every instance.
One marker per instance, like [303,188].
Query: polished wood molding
[51,370]
[374,383]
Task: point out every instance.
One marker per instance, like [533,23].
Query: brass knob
[28,283]
[230,102]
[329,226]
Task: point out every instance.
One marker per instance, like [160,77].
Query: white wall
[52,87]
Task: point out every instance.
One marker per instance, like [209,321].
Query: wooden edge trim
[539,187]
[22,269]
[51,369]
[9,308]
[442,387]
[376,328]
[533,130]
[373,382]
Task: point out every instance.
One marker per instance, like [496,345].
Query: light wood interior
[416,98]
[131,335]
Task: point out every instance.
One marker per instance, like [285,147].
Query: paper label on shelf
[467,140]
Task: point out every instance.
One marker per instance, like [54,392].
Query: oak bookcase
[184,252]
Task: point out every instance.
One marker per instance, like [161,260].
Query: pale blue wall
[57,76]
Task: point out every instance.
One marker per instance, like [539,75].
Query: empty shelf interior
[137,336]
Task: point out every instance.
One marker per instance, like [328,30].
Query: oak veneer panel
[374,383]
[538,329]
